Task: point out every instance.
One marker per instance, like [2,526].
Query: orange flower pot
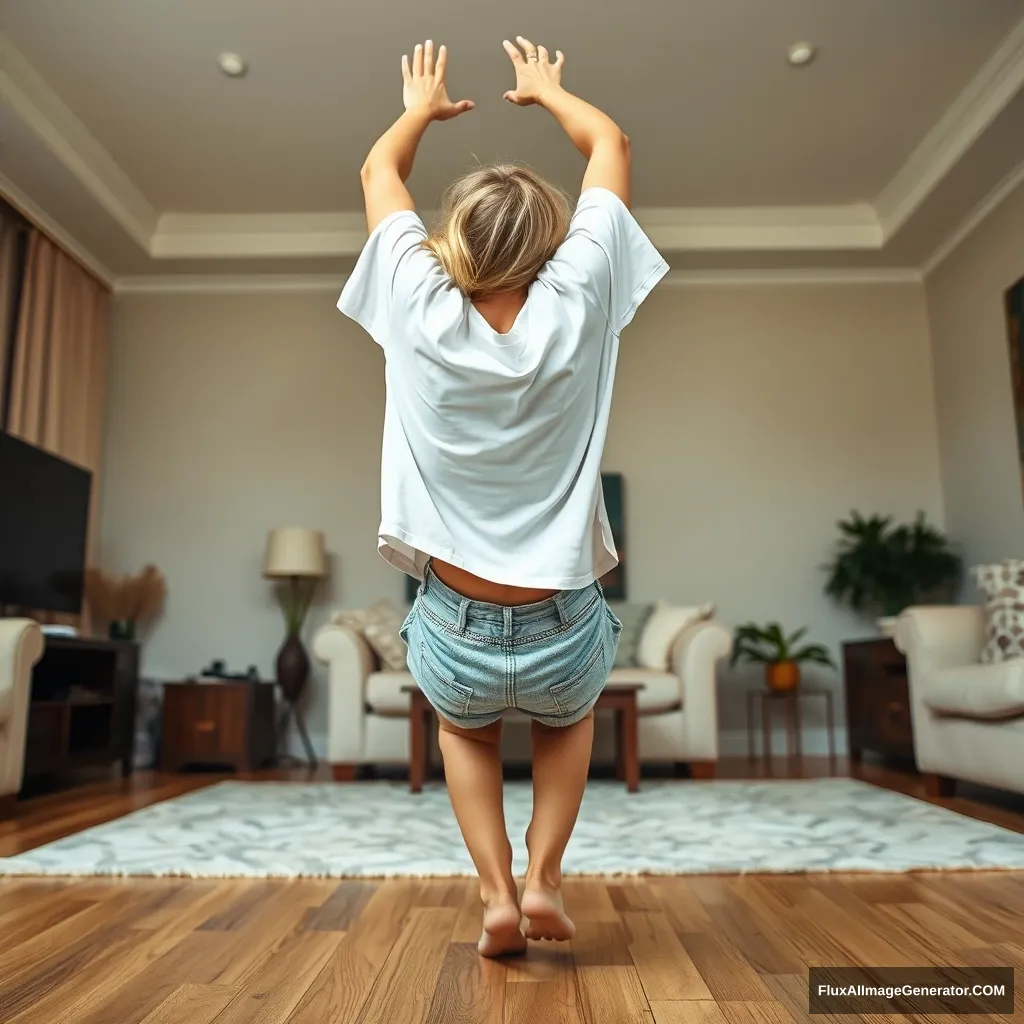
[782,676]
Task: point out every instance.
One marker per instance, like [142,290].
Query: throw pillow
[663,629]
[633,618]
[379,625]
[1003,587]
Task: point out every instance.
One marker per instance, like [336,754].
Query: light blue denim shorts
[474,660]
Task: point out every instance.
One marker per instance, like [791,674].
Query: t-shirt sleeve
[609,250]
[392,258]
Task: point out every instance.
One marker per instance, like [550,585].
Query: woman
[500,332]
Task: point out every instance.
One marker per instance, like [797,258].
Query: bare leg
[472,769]
[561,758]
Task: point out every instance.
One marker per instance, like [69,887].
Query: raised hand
[424,85]
[535,72]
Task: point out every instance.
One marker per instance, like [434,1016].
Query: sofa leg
[939,785]
[702,770]
[344,772]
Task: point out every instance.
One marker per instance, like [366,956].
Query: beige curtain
[12,230]
[59,366]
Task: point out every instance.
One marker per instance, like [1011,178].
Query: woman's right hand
[535,72]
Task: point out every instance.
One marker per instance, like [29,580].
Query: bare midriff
[477,589]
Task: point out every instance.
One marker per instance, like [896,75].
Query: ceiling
[119,133]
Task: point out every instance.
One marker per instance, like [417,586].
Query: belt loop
[463,611]
[563,615]
[507,616]
[600,589]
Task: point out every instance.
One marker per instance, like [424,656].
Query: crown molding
[980,103]
[248,284]
[49,226]
[1002,192]
[227,284]
[223,236]
[42,110]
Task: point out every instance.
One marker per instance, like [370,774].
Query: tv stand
[82,711]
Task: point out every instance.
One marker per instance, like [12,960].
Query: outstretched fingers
[442,62]
[417,61]
[428,58]
[513,51]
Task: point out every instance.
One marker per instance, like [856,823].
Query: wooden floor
[714,949]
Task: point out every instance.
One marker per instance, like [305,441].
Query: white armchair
[21,646]
[368,713]
[968,718]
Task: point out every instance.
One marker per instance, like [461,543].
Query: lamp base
[292,668]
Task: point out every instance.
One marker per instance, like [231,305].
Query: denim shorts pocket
[581,689]
[443,690]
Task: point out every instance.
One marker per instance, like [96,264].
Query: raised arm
[389,163]
[593,132]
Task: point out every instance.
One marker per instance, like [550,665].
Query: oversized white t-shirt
[493,442]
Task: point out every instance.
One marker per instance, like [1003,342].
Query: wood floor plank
[756,1013]
[404,988]
[26,922]
[554,1000]
[271,993]
[82,993]
[611,993]
[341,988]
[679,902]
[690,1012]
[724,970]
[340,910]
[545,961]
[758,939]
[601,944]
[470,989]
[190,1004]
[587,899]
[665,968]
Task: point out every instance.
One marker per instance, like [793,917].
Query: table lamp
[295,554]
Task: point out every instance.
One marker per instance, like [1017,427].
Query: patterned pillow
[1003,587]
[633,618]
[379,625]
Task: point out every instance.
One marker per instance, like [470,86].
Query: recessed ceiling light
[801,54]
[232,65]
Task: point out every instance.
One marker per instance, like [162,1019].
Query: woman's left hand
[424,87]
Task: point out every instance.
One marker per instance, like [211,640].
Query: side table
[223,723]
[790,701]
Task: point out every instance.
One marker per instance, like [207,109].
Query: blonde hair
[499,226]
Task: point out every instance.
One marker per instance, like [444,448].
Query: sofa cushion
[978,691]
[663,629]
[661,691]
[379,625]
[1003,587]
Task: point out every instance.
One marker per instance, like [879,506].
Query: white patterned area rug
[380,829]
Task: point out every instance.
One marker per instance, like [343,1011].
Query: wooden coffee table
[618,697]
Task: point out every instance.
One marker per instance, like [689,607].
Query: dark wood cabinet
[82,708]
[218,724]
[877,699]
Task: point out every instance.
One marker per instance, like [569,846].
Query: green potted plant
[780,653]
[881,567]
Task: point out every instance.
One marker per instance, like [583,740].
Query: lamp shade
[295,551]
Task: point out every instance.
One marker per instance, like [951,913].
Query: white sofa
[368,716]
[968,718]
[21,646]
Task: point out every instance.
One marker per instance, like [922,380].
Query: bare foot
[547,916]
[502,935]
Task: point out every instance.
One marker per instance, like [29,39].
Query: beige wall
[747,420]
[981,471]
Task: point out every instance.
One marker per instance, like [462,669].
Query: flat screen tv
[44,520]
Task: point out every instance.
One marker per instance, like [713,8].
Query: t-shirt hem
[495,574]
